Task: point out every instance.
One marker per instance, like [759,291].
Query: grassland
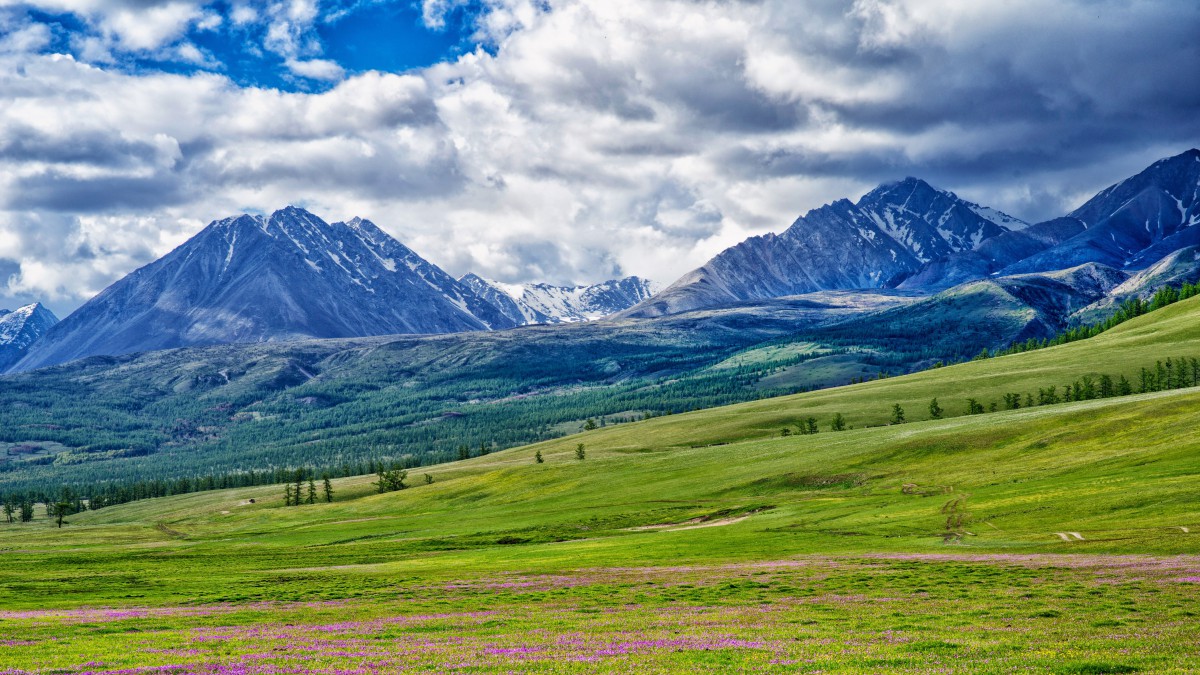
[1060,538]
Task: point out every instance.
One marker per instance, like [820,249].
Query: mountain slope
[255,279]
[545,303]
[20,328]
[887,236]
[1134,223]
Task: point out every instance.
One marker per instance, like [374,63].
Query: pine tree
[537,457]
[935,410]
[312,492]
[1124,387]
[589,425]
[839,423]
[26,511]
[428,479]
[9,510]
[579,452]
[328,490]
[287,494]
[464,452]
[974,407]
[811,423]
[897,414]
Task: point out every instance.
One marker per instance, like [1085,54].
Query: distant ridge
[549,304]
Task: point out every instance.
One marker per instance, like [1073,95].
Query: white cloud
[317,69]
[602,137]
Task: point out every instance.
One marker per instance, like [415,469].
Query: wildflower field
[895,613]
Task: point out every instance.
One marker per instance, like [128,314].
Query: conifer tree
[811,423]
[935,410]
[287,494]
[328,489]
[580,454]
[1124,387]
[537,457]
[312,492]
[839,423]
[897,414]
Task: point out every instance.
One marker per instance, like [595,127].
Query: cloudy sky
[557,140]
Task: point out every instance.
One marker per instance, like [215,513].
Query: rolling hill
[1117,472]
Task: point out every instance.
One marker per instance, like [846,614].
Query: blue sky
[358,36]
[565,141]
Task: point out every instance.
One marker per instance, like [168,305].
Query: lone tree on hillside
[537,457]
[579,452]
[935,410]
[839,423]
[391,480]
[811,425]
[61,510]
[897,414]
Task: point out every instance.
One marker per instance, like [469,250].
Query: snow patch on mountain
[20,329]
[546,303]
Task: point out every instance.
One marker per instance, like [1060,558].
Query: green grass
[1050,538]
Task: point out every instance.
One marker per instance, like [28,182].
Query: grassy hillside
[1119,471]
[704,542]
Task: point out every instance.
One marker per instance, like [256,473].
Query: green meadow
[1053,538]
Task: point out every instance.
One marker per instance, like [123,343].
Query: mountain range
[910,235]
[290,275]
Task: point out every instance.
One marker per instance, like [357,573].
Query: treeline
[1129,309]
[1166,374]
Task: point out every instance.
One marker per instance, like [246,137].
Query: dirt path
[693,524]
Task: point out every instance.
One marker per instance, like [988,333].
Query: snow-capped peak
[546,303]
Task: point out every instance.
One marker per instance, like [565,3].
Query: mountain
[19,329]
[543,303]
[1134,223]
[891,233]
[254,279]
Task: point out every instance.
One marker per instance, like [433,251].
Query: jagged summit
[284,276]
[546,303]
[20,329]
[1135,222]
[888,235]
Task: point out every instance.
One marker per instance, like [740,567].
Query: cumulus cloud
[586,138]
